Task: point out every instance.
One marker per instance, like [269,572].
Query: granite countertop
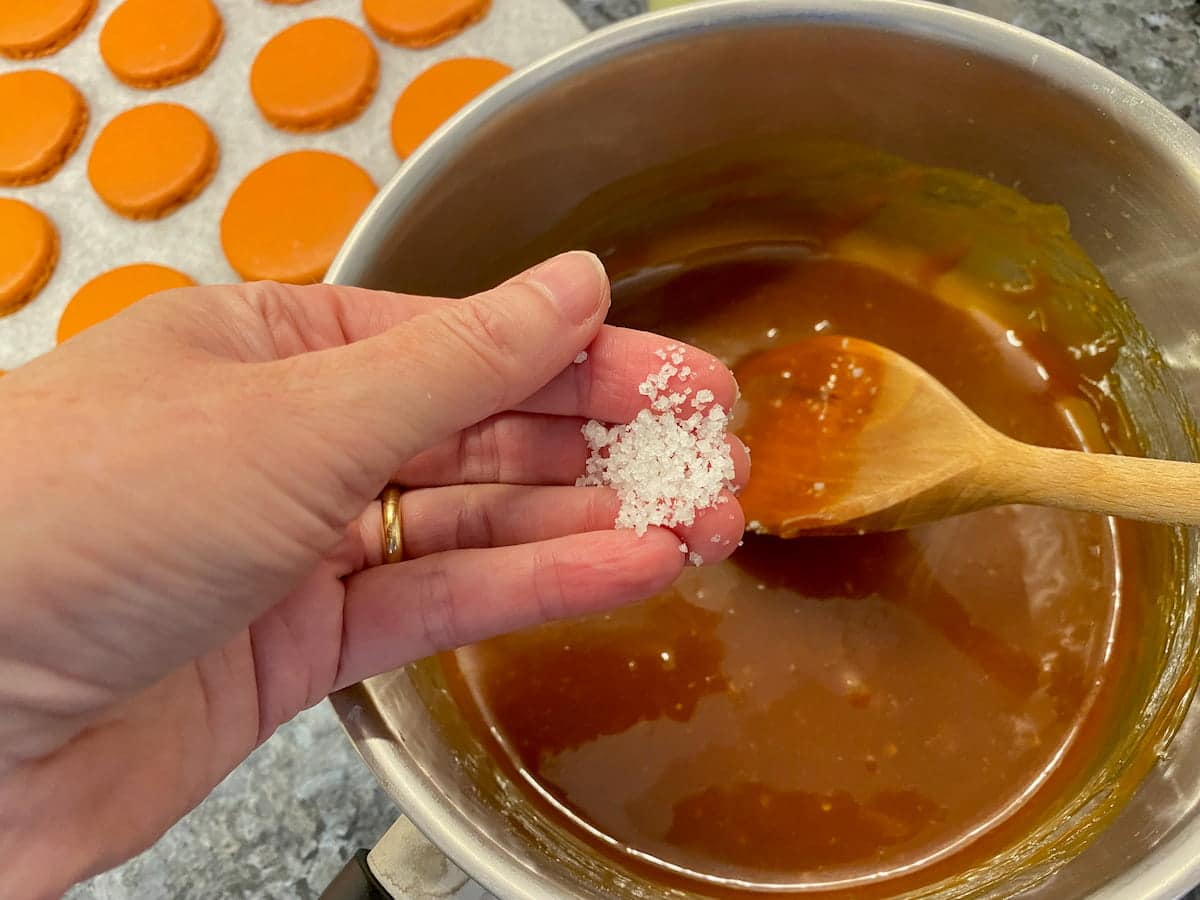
[284,822]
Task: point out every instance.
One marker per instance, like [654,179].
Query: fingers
[436,520]
[512,448]
[605,385]
[262,321]
[459,362]
[395,614]
[518,448]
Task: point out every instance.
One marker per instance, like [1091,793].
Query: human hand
[191,550]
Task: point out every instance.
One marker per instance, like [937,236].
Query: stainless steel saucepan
[925,82]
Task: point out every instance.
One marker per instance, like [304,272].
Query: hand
[191,550]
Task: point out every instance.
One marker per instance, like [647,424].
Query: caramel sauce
[861,715]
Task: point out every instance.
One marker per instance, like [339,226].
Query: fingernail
[576,282]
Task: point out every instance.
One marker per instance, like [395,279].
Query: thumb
[460,361]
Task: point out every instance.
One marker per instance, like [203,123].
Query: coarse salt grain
[695,559]
[665,465]
[581,358]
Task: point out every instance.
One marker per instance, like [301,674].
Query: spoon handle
[1154,490]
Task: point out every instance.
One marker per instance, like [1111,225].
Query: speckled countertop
[283,824]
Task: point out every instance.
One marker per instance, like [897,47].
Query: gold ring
[393,537]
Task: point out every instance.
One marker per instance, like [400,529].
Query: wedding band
[393,537]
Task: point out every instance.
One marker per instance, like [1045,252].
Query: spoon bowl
[849,437]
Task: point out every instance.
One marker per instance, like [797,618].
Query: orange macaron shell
[315,75]
[28,253]
[150,160]
[110,292]
[31,28]
[146,47]
[288,218]
[422,23]
[437,94]
[44,117]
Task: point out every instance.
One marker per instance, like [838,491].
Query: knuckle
[488,331]
[549,586]
[435,604]
[285,321]
[479,457]
[473,523]
[600,509]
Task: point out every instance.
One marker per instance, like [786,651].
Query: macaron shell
[43,120]
[422,23]
[315,75]
[109,293]
[30,28]
[437,94]
[28,253]
[151,159]
[288,218]
[146,48]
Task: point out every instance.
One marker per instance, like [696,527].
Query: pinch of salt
[695,559]
[664,467]
[582,357]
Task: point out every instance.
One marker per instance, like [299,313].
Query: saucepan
[487,195]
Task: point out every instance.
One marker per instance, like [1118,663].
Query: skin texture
[198,556]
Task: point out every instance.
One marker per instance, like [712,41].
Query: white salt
[582,357]
[695,559]
[664,465]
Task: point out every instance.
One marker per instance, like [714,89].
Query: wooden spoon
[847,436]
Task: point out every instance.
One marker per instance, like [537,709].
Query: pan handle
[356,881]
